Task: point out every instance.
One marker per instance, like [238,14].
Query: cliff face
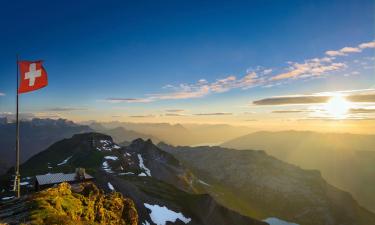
[81,204]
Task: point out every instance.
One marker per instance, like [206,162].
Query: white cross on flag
[33,76]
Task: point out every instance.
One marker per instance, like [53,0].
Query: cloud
[175,110]
[355,96]
[127,100]
[174,114]
[213,114]
[361,98]
[196,90]
[347,50]
[334,53]
[2,94]
[367,45]
[292,100]
[142,116]
[288,111]
[311,67]
[267,71]
[362,110]
[65,109]
[350,50]
[184,92]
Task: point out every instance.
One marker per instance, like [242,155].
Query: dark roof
[55,178]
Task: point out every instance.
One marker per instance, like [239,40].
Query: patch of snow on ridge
[7,198]
[202,182]
[111,157]
[160,215]
[24,183]
[106,167]
[142,165]
[127,173]
[65,161]
[116,147]
[146,223]
[277,221]
[110,186]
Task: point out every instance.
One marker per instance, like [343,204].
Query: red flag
[33,76]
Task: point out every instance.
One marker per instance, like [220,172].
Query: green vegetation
[89,205]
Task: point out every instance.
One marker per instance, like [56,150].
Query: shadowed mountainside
[345,160]
[258,185]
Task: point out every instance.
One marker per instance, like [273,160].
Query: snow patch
[116,147]
[142,175]
[160,215]
[106,167]
[65,161]
[7,198]
[277,221]
[202,182]
[127,173]
[146,223]
[106,145]
[111,157]
[110,186]
[24,183]
[142,165]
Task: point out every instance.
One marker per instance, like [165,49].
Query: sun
[337,107]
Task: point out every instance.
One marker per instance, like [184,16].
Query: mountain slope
[345,160]
[261,186]
[154,179]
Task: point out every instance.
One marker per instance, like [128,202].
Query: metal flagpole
[17,178]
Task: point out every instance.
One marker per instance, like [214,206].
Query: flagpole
[17,178]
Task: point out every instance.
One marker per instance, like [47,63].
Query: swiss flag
[33,76]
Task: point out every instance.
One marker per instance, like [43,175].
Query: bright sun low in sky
[338,107]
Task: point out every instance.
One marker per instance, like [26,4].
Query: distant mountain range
[345,160]
[176,134]
[201,185]
[35,136]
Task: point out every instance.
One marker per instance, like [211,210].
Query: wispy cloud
[292,100]
[311,67]
[2,94]
[288,111]
[65,109]
[347,50]
[214,114]
[127,100]
[362,110]
[367,96]
[175,110]
[142,116]
[260,76]
[174,114]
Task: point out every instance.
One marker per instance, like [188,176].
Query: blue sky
[110,57]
